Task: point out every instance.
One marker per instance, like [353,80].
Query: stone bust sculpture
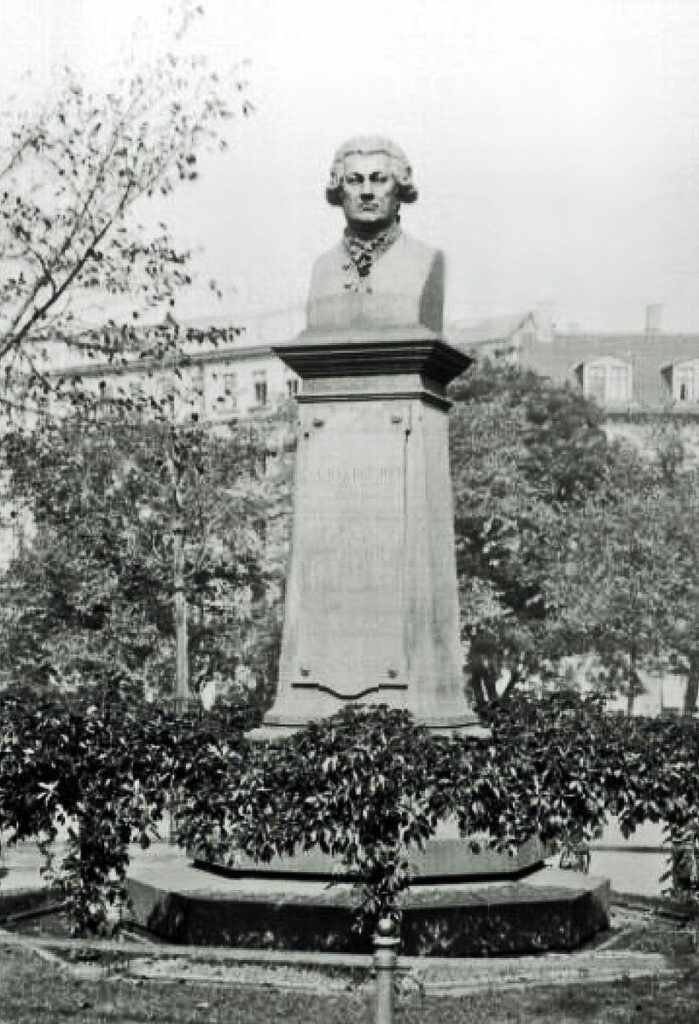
[377,276]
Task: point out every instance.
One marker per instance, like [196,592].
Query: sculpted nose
[367,193]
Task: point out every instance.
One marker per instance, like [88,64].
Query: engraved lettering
[348,476]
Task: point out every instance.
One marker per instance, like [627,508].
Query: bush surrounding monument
[368,786]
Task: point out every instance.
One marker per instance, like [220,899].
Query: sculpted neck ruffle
[362,253]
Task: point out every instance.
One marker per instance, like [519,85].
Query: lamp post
[386,942]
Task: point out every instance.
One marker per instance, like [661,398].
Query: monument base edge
[549,910]
[276,727]
[441,859]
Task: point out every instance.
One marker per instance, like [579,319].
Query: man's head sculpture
[370,177]
[366,145]
[376,276]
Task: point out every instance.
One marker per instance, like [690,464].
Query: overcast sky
[555,143]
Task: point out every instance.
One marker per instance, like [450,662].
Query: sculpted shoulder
[418,251]
[327,270]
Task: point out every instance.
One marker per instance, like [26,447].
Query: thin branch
[47,277]
[40,312]
[30,140]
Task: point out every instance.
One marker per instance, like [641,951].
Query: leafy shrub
[367,786]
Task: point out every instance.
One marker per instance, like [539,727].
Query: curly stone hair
[406,191]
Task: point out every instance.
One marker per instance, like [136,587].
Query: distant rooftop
[491,331]
[648,355]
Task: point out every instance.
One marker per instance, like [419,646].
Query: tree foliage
[89,600]
[616,582]
[367,787]
[77,174]
[568,544]
[103,772]
[682,622]
[525,453]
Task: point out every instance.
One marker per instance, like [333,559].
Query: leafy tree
[524,454]
[617,581]
[90,599]
[76,178]
[568,544]
[681,507]
[86,273]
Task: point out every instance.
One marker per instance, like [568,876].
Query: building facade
[639,379]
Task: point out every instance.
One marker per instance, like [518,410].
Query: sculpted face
[369,192]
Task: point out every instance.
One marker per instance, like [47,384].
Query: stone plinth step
[548,910]
[449,856]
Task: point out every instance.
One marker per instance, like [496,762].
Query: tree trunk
[483,688]
[635,685]
[182,668]
[515,678]
[475,685]
[491,690]
[691,692]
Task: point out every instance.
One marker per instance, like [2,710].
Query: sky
[555,143]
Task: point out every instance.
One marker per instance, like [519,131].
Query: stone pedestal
[372,617]
[372,612]
[543,911]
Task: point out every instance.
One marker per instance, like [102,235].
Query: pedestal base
[548,909]
[274,733]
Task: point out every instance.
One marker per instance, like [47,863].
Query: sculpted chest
[404,287]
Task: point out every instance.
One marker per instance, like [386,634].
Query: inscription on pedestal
[351,529]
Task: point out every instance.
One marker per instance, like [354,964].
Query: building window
[618,384]
[685,383]
[292,387]
[133,390]
[607,380]
[104,398]
[165,394]
[229,398]
[260,387]
[596,383]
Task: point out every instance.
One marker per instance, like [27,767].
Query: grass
[36,987]
[35,991]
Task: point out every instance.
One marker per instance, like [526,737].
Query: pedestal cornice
[373,352]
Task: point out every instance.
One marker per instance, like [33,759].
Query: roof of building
[472,333]
[647,355]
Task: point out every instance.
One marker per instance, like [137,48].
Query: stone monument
[372,610]
[371,605]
